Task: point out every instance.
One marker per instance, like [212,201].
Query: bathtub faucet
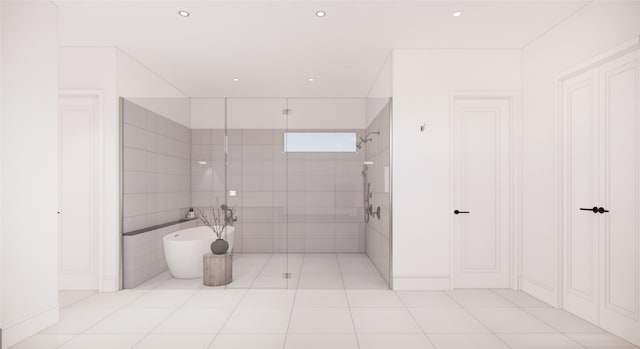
[229,215]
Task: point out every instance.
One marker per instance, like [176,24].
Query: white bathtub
[183,249]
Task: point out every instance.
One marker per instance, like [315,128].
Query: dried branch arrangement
[218,218]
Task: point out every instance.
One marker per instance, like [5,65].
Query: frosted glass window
[320,142]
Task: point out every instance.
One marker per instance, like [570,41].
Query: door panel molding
[502,269]
[85,272]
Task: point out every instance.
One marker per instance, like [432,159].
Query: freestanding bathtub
[183,249]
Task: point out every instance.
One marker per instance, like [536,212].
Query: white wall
[116,74]
[207,113]
[423,83]
[29,162]
[380,91]
[598,27]
[136,82]
[266,113]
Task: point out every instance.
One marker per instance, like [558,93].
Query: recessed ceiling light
[312,79]
[321,13]
[236,79]
[202,162]
[184,13]
[457,14]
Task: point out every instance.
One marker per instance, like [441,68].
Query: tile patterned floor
[170,313]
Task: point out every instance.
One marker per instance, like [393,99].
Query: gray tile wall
[143,254]
[156,169]
[378,230]
[296,202]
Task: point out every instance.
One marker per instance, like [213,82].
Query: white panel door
[580,117]
[77,233]
[620,238]
[481,188]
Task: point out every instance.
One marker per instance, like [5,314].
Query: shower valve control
[459,212]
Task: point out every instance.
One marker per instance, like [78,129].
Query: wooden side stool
[216,269]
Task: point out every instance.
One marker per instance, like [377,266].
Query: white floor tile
[520,298]
[208,298]
[320,282]
[194,321]
[426,299]
[321,299]
[467,341]
[328,320]
[74,321]
[268,299]
[102,341]
[510,320]
[384,320]
[564,321]
[43,341]
[390,341]
[434,320]
[248,341]
[180,284]
[131,321]
[321,341]
[256,321]
[69,297]
[540,341]
[601,341]
[163,299]
[374,282]
[154,281]
[373,299]
[174,341]
[479,298]
[112,300]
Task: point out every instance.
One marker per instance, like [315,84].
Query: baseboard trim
[20,330]
[536,290]
[109,284]
[421,284]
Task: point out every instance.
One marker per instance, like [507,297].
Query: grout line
[414,318]
[293,305]
[539,319]
[233,310]
[353,322]
[167,317]
[480,322]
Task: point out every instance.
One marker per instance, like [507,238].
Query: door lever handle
[602,210]
[594,209]
[458,212]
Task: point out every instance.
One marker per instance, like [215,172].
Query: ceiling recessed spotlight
[321,13]
[457,14]
[184,13]
[311,79]
[236,79]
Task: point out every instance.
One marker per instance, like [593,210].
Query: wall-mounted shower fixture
[366,138]
[422,127]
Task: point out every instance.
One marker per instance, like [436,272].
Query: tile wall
[156,188]
[143,254]
[378,174]
[156,183]
[295,202]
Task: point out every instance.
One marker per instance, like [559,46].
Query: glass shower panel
[256,182]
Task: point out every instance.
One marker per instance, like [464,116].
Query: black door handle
[602,210]
[594,209]
[458,212]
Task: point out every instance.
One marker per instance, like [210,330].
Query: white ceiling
[274,47]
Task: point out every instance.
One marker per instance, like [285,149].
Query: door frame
[515,202]
[98,167]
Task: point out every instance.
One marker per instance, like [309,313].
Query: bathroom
[291,176]
[381,174]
